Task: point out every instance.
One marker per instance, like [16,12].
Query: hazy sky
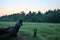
[15,6]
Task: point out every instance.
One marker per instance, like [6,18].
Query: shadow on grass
[23,35]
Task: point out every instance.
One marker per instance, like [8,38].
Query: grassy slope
[45,30]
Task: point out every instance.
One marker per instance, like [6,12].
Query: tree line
[50,16]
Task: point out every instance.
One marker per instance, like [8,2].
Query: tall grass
[45,31]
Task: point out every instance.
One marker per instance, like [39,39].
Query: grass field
[45,31]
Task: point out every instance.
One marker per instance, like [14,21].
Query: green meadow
[45,31]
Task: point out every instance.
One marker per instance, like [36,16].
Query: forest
[50,16]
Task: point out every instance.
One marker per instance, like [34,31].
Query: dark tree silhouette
[50,16]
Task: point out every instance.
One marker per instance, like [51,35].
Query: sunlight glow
[14,6]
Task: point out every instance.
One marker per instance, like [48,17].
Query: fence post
[35,32]
[56,38]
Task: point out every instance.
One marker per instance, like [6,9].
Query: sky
[16,6]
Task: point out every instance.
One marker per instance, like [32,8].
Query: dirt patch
[23,37]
